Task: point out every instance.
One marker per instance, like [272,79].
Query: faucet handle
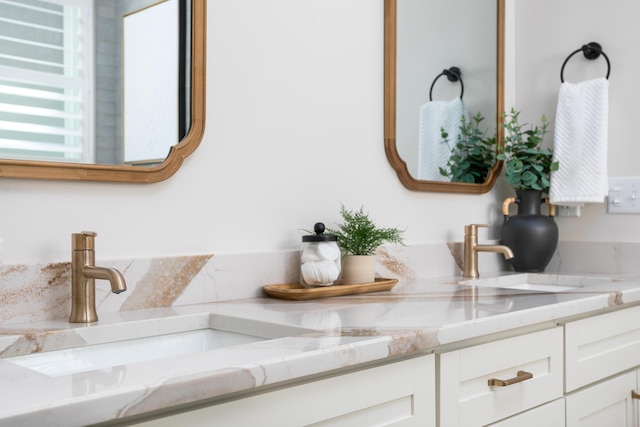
[472,229]
[83,241]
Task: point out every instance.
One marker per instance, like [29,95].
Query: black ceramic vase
[532,237]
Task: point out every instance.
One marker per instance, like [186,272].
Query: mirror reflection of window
[45,113]
[61,83]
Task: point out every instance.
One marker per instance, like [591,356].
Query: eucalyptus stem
[472,155]
[528,165]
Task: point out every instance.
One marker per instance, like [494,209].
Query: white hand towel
[580,143]
[432,152]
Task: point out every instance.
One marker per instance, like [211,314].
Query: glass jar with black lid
[319,258]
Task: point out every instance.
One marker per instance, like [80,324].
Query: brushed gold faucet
[83,277]
[471,249]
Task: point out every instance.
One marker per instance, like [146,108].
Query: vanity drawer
[601,346]
[468,399]
[550,414]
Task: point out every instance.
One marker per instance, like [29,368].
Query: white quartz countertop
[312,337]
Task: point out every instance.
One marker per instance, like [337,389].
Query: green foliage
[472,156]
[527,164]
[358,235]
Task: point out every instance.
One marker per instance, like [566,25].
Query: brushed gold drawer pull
[635,394]
[522,376]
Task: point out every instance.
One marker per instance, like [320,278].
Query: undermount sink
[99,356]
[151,343]
[539,282]
[541,287]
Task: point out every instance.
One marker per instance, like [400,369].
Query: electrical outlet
[568,211]
[624,193]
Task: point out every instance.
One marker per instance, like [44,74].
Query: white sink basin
[538,282]
[100,356]
[540,287]
[152,339]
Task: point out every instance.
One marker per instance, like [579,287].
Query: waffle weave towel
[432,152]
[580,143]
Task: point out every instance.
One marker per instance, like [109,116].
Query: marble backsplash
[43,292]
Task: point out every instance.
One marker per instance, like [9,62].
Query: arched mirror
[100,90]
[443,57]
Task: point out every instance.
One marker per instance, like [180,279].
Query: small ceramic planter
[358,269]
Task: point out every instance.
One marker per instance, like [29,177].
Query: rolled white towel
[323,273]
[310,254]
[328,251]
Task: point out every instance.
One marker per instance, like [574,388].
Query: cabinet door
[636,400]
[467,397]
[605,404]
[601,346]
[550,414]
[400,394]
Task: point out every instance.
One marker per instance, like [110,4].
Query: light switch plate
[624,195]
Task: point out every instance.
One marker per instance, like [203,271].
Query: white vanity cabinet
[399,394]
[485,383]
[578,373]
[550,415]
[602,354]
[607,403]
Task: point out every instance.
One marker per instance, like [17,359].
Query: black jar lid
[318,228]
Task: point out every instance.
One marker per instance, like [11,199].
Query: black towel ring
[591,50]
[453,75]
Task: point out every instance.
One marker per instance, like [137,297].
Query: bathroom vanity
[557,350]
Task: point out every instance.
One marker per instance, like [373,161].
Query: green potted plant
[473,154]
[532,237]
[527,164]
[358,238]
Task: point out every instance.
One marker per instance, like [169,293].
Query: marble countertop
[306,338]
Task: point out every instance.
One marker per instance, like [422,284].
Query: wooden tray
[295,291]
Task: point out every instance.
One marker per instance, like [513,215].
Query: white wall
[546,32]
[294,127]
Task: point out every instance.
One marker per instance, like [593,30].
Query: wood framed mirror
[423,38]
[159,170]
